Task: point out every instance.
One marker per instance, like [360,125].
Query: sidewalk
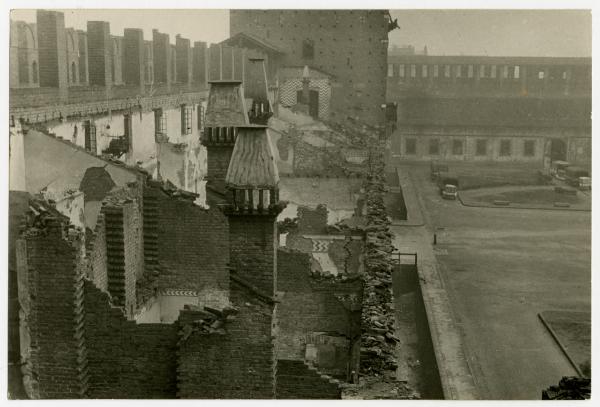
[455,374]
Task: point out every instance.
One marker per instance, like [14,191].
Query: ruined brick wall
[125,359]
[253,250]
[51,273]
[193,249]
[123,236]
[18,204]
[97,255]
[134,262]
[295,380]
[238,363]
[312,304]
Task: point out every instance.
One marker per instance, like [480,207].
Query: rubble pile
[378,337]
[569,388]
[207,321]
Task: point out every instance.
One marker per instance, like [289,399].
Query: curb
[560,345]
[542,208]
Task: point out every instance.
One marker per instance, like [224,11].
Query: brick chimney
[252,208]
[225,110]
[255,88]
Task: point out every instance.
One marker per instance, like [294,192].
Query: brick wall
[18,204]
[199,62]
[97,255]
[295,380]
[193,252]
[133,56]
[348,44]
[99,53]
[253,249]
[183,54]
[238,364]
[310,304]
[52,50]
[161,57]
[217,163]
[125,359]
[51,293]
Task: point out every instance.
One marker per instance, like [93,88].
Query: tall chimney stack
[225,110]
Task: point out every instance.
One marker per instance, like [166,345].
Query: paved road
[502,267]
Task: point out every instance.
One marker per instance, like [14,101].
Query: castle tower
[252,208]
[225,110]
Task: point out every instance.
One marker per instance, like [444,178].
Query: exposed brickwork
[253,242]
[18,204]
[238,364]
[311,304]
[127,360]
[53,269]
[296,380]
[97,271]
[192,244]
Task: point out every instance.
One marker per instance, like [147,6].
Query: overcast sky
[444,32]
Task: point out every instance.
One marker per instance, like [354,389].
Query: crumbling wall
[253,241]
[378,339]
[123,239]
[296,380]
[125,359]
[51,271]
[193,250]
[231,356]
[185,246]
[97,259]
[311,303]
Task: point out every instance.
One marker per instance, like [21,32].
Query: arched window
[73,73]
[34,72]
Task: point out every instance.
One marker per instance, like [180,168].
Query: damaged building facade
[133,275]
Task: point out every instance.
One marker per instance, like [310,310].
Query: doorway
[558,150]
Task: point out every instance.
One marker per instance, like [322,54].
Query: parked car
[585,183]
[558,169]
[575,176]
[448,187]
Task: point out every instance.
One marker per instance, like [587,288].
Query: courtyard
[502,267]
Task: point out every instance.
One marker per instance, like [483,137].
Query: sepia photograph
[293,202]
